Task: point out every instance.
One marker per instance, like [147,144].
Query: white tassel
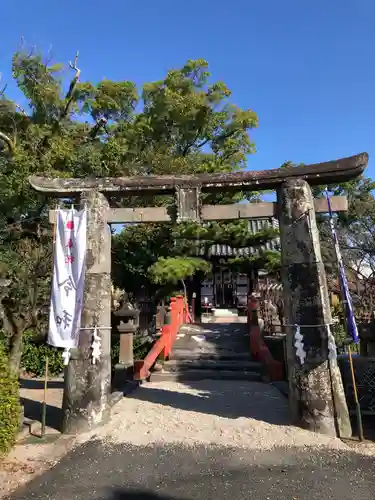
[96,345]
[66,356]
[300,351]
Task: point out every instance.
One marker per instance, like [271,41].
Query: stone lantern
[125,322]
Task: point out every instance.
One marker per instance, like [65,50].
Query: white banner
[68,278]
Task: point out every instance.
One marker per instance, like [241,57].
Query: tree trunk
[14,328]
[16,348]
[197,289]
[185,291]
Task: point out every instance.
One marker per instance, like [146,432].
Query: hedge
[10,409]
[34,355]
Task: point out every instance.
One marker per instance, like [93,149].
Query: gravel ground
[208,439]
[248,415]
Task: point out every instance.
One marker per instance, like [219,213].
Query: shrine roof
[255,225]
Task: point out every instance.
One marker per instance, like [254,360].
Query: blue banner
[346,297]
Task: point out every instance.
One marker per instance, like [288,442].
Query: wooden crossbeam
[236,211]
[265,209]
[146,214]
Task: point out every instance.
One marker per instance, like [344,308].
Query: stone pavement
[100,471]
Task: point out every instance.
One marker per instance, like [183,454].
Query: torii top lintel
[341,170]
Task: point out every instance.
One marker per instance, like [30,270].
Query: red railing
[179,315]
[258,348]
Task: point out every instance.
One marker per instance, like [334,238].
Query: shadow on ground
[105,471]
[33,411]
[228,399]
[139,495]
[225,398]
[368,425]
[32,396]
[31,383]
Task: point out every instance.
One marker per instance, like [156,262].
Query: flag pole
[352,374]
[356,400]
[44,404]
[349,318]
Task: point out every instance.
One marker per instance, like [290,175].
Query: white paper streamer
[298,344]
[66,356]
[96,347]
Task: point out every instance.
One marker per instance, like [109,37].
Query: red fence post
[166,333]
[163,345]
[174,319]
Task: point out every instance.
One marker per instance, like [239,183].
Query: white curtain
[68,278]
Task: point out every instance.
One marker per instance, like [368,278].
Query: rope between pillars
[97,328]
[309,326]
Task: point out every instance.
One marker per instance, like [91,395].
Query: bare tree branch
[190,144]
[2,91]
[68,98]
[8,141]
[220,138]
[4,137]
[70,94]
[48,58]
[101,123]
[20,109]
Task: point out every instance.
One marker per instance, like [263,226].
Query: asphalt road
[97,471]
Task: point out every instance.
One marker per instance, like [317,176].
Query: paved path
[100,471]
[206,440]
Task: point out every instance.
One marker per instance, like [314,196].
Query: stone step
[224,313]
[212,332]
[218,354]
[217,329]
[196,340]
[195,375]
[211,364]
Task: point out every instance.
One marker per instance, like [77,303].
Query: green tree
[182,124]
[355,230]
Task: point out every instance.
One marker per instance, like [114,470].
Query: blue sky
[306,67]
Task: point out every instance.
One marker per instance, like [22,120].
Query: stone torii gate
[316,394]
